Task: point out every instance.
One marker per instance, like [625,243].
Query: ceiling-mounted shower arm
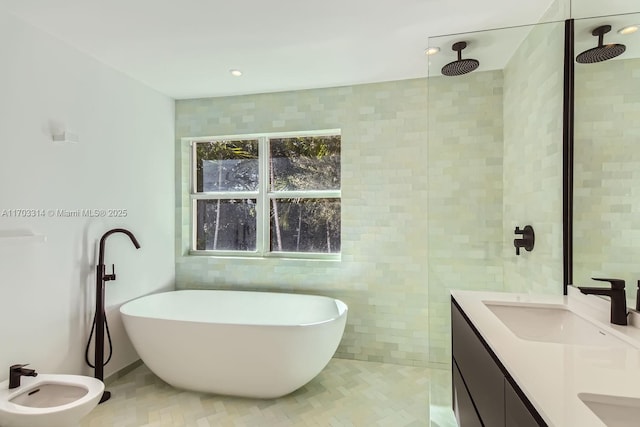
[459,47]
[600,32]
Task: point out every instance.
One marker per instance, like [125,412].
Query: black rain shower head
[603,51]
[460,66]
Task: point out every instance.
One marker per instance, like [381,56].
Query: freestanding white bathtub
[251,344]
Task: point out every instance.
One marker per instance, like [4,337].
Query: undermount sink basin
[552,324]
[614,411]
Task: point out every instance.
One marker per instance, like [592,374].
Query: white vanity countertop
[551,375]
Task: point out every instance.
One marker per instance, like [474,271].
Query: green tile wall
[533,82]
[429,202]
[495,162]
[465,194]
[383,273]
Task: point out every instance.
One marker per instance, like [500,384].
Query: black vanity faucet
[617,295]
[16,372]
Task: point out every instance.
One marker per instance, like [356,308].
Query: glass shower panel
[495,162]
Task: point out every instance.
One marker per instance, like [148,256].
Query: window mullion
[226,195]
[193,168]
[192,190]
[263,232]
[306,194]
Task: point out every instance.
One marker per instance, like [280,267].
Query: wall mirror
[494,135]
[606,181]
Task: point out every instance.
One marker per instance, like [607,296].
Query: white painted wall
[124,160]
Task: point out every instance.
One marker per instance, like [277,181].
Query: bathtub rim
[342,309]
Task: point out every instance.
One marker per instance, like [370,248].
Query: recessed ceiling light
[432,51]
[235,73]
[630,29]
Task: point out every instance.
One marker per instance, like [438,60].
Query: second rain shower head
[602,52]
[460,66]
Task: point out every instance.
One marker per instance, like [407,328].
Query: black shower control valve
[526,241]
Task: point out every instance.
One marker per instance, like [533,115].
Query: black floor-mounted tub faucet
[100,318]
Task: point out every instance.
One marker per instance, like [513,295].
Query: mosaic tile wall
[607,173]
[465,194]
[383,274]
[533,87]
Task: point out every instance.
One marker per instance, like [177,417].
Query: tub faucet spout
[102,277]
[103,240]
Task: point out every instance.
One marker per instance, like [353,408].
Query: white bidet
[49,400]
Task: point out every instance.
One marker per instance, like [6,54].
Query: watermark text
[63,213]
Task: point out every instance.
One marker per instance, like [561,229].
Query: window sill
[284,256]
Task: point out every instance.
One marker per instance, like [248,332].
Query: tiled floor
[347,393]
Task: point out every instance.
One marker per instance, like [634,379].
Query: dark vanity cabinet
[483,392]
